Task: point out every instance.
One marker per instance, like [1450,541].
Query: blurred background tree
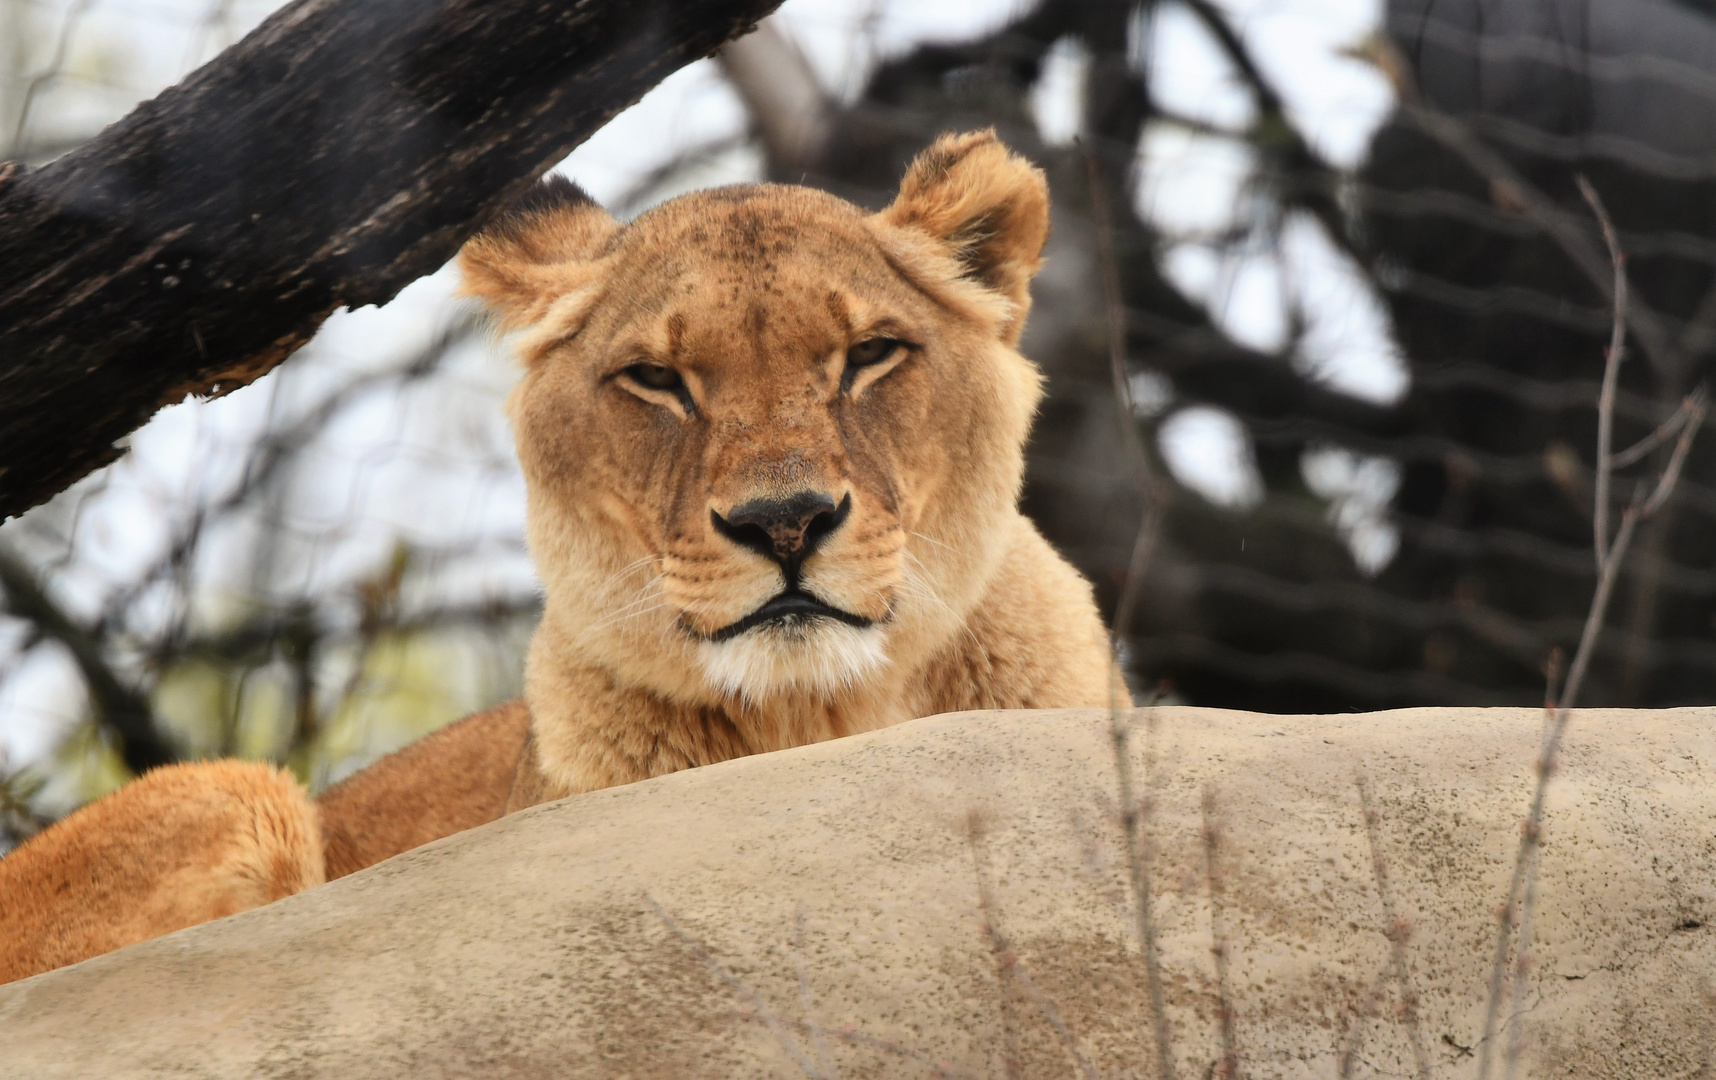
[1362,342]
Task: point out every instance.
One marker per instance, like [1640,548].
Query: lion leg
[455,779]
[178,846]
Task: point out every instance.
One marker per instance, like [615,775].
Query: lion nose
[786,530]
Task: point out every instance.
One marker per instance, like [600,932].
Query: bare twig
[270,456]
[1599,605]
[1531,831]
[1355,1033]
[247,638]
[1131,824]
[1007,960]
[1004,974]
[1306,179]
[1522,888]
[1665,431]
[1522,956]
[1707,1044]
[1143,545]
[719,970]
[853,1037]
[1206,12]
[1114,304]
[1398,932]
[806,1000]
[1671,474]
[1553,669]
[300,646]
[1227,1067]
[1617,352]
[1522,961]
[118,706]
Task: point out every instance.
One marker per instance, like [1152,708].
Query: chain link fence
[1361,335]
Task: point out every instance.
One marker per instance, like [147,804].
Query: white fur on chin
[822,656]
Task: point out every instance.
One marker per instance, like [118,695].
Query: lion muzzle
[787,531]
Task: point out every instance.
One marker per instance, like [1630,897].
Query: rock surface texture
[822,912]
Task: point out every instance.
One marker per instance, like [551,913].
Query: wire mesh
[1361,339]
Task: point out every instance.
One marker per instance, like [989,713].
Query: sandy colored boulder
[817,912]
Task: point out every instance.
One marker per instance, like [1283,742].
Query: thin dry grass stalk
[776,1026]
[975,828]
[1227,1066]
[1617,352]
[1707,1044]
[1114,308]
[1007,962]
[851,1036]
[1668,429]
[807,1000]
[1522,889]
[1132,815]
[1143,545]
[1398,932]
[1367,1009]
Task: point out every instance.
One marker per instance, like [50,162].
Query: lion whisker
[932,540]
[629,569]
[613,620]
[645,595]
[916,583]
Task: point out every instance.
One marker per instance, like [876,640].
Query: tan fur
[178,846]
[456,779]
[947,597]
[753,295]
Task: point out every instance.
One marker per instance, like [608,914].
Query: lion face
[769,438]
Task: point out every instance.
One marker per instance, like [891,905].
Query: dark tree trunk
[339,152]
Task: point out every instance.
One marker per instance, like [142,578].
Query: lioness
[773,448]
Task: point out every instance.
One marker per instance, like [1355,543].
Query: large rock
[817,912]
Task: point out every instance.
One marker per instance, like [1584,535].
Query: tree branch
[336,154]
[793,113]
[122,709]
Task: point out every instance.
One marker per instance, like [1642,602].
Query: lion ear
[987,204]
[535,251]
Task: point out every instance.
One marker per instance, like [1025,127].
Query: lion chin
[816,656]
[774,449]
[773,446]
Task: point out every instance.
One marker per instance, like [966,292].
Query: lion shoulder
[1035,641]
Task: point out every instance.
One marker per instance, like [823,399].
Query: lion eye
[655,377]
[870,353]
